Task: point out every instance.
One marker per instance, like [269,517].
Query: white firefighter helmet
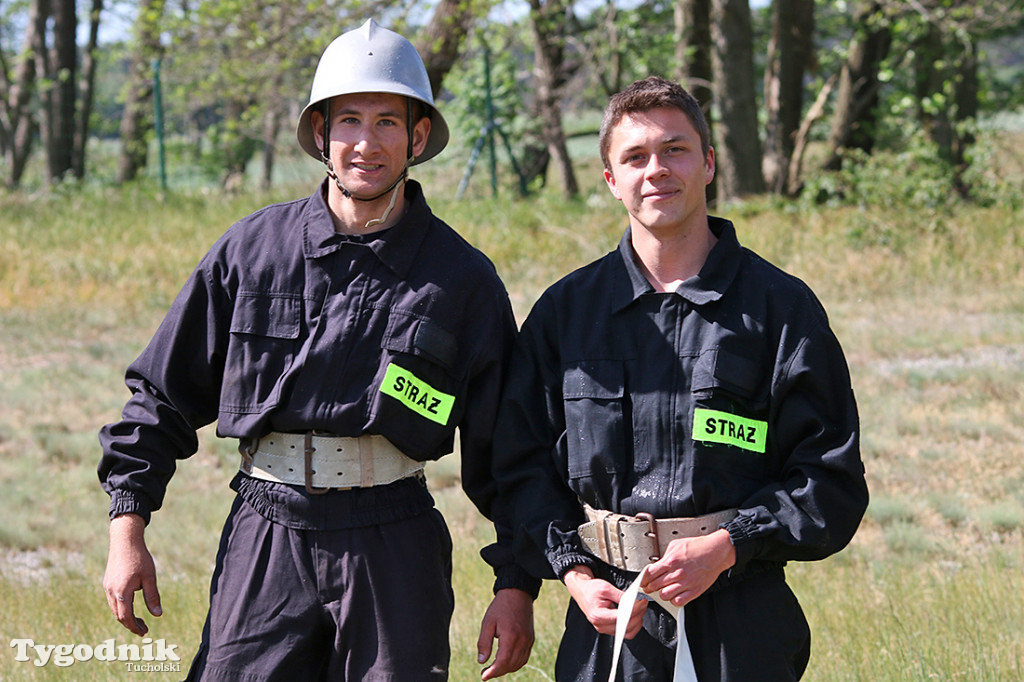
[372,59]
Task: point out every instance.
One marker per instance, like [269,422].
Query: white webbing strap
[684,670]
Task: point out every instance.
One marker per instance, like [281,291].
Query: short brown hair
[644,95]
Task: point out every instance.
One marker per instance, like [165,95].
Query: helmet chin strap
[395,186]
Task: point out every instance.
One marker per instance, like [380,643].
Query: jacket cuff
[515,577]
[743,532]
[127,502]
[564,558]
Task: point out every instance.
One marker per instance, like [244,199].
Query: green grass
[930,619]
[927,305]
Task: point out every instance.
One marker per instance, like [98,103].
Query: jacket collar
[396,246]
[710,284]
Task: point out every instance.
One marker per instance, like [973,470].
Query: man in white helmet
[342,339]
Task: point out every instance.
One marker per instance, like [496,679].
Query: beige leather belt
[632,542]
[325,462]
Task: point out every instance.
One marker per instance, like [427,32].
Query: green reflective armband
[713,426]
[417,395]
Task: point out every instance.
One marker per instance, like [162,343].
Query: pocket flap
[275,315]
[599,379]
[422,338]
[718,368]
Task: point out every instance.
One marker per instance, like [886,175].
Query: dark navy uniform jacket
[731,392]
[286,325]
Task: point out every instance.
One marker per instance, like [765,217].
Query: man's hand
[690,566]
[509,619]
[599,601]
[130,568]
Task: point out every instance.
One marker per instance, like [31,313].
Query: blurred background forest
[801,93]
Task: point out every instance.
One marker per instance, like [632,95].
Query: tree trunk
[853,121]
[929,85]
[547,26]
[693,49]
[236,146]
[693,61]
[61,143]
[790,52]
[966,103]
[44,85]
[136,122]
[5,93]
[271,129]
[440,43]
[19,123]
[86,88]
[794,185]
[604,47]
[739,147]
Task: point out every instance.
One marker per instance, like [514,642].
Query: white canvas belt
[326,462]
[632,542]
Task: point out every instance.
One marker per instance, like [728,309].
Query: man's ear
[420,133]
[709,166]
[612,187]
[316,119]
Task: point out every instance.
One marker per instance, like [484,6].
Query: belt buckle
[247,448]
[652,533]
[308,455]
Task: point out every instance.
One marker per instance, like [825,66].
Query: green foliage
[913,177]
[466,106]
[646,47]
[1003,66]
[233,63]
[230,148]
[228,64]
[512,106]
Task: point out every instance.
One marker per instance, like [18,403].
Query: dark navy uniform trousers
[724,630]
[285,602]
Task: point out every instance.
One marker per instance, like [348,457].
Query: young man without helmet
[678,419]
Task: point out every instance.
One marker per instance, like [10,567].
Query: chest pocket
[418,402]
[593,393]
[424,339]
[265,329]
[719,370]
[730,411]
[275,315]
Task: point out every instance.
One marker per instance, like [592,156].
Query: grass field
[928,305]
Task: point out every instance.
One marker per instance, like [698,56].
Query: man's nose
[655,167]
[366,140]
